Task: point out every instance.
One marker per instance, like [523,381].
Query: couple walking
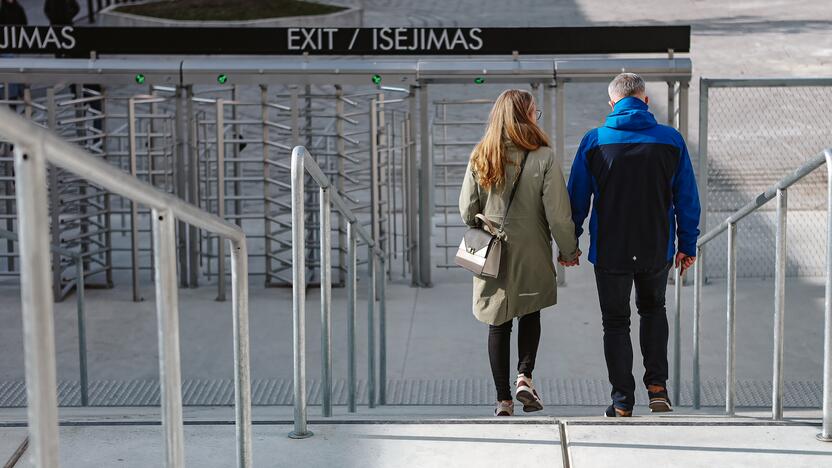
[636,179]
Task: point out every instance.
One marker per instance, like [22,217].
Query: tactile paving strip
[470,391]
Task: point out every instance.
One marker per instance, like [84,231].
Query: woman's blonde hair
[509,121]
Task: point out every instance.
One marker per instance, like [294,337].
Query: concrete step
[435,436]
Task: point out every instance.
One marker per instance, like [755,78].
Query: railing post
[413,199]
[826,429]
[779,306]
[242,361]
[702,164]
[299,295]
[371,327]
[220,197]
[677,334]
[352,289]
[731,323]
[167,316]
[134,207]
[698,268]
[426,189]
[326,298]
[382,334]
[82,330]
[38,321]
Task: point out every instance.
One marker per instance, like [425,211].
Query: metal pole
[82,330]
[371,327]
[779,305]
[267,226]
[167,316]
[352,290]
[382,335]
[341,151]
[548,126]
[299,296]
[702,165]
[425,189]
[826,430]
[413,208]
[54,196]
[375,216]
[193,188]
[181,156]
[698,268]
[677,334]
[731,323]
[326,299]
[220,196]
[684,105]
[38,321]
[242,361]
[134,207]
[671,103]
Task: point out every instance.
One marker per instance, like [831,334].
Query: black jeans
[499,351]
[614,294]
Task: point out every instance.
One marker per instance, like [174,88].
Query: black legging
[499,351]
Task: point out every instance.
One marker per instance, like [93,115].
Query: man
[639,178]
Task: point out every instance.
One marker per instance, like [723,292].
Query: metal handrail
[79,307]
[302,164]
[777,191]
[34,147]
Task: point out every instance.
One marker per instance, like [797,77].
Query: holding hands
[575,262]
[684,261]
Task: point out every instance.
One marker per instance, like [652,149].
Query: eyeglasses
[539,115]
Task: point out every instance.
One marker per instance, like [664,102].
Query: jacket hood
[630,113]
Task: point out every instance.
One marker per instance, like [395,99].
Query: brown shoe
[659,401]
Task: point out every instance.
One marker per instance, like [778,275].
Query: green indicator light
[377,79]
[222,78]
[139,78]
[479,80]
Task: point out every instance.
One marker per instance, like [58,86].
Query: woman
[539,211]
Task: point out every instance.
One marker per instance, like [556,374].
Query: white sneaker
[504,408]
[525,393]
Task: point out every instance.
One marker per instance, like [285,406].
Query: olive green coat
[540,211]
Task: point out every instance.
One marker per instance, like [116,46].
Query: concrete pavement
[439,437]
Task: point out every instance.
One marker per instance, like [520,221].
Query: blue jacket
[640,180]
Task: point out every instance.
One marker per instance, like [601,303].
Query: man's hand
[686,261]
[575,262]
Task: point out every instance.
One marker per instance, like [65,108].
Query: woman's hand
[575,262]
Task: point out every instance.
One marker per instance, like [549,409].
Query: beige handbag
[481,247]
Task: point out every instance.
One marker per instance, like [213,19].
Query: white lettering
[474,33]
[309,36]
[401,37]
[51,36]
[66,32]
[30,40]
[330,33]
[293,38]
[387,40]
[5,43]
[415,44]
[459,38]
[441,42]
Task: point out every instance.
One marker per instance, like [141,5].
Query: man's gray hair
[625,85]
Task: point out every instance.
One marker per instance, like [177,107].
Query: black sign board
[82,41]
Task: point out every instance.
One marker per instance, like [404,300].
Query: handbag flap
[476,239]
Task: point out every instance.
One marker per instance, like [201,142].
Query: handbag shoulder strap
[514,190]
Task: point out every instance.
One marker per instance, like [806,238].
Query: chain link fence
[756,134]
